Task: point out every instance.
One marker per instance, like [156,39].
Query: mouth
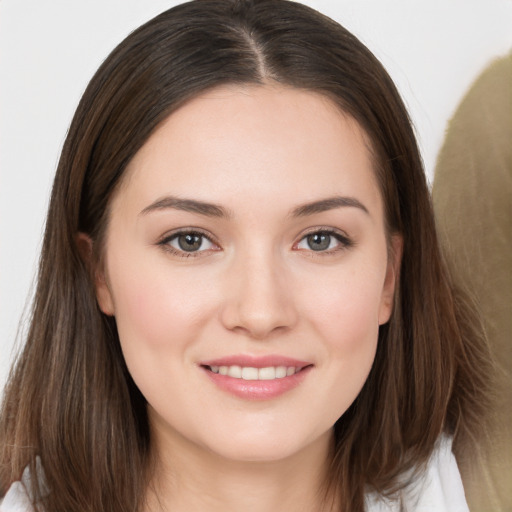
[256,378]
[253,373]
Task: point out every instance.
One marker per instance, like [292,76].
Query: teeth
[281,372]
[235,372]
[250,373]
[269,373]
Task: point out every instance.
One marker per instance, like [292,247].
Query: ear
[103,293]
[392,278]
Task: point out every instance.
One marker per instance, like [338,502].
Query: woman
[241,302]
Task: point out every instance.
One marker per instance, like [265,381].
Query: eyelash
[165,243]
[343,240]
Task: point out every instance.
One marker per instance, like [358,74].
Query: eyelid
[167,237]
[345,241]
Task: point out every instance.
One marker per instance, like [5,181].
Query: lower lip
[257,389]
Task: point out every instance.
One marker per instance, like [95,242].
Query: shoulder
[438,488]
[18,497]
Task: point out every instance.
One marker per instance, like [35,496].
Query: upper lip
[256,361]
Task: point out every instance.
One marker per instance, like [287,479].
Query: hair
[70,400]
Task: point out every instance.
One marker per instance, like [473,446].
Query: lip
[257,389]
[256,361]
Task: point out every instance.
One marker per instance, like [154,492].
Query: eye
[323,241]
[186,243]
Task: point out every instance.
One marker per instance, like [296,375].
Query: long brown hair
[70,399]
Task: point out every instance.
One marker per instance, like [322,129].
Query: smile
[256,377]
[251,373]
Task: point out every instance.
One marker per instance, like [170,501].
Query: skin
[254,287]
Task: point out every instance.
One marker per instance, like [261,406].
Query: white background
[49,49]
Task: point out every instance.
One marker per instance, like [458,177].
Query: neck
[188,478]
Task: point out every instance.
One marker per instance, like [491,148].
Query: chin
[261,447]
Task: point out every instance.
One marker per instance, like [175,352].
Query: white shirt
[438,490]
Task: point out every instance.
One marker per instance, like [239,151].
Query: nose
[259,298]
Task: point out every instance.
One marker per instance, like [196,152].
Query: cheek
[346,318]
[155,308]
[346,309]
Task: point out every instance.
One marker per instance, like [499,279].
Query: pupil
[319,241]
[189,242]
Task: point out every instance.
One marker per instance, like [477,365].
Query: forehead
[251,140]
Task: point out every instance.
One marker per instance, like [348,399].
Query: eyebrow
[187,205]
[328,204]
[213,210]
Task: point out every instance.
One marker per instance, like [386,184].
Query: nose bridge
[259,301]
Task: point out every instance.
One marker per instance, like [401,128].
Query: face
[246,264]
